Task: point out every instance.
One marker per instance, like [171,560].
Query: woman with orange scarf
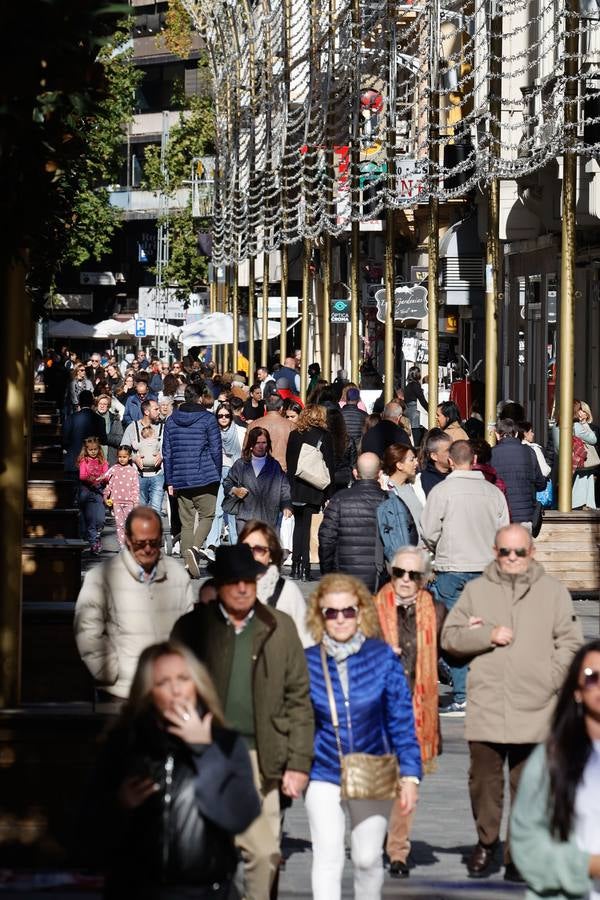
[411,621]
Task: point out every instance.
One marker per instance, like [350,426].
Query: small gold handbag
[364,776]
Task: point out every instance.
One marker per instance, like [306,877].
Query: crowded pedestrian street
[300,450]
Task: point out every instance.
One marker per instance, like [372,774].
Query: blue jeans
[447,587]
[152,488]
[91,506]
[214,535]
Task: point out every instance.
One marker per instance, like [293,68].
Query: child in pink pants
[122,491]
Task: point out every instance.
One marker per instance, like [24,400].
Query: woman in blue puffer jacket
[375,715]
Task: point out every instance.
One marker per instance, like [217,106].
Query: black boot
[306,575]
[295,571]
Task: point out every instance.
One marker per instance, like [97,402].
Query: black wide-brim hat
[233,564]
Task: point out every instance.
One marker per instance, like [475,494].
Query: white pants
[327,821]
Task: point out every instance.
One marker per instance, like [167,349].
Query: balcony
[150,125]
[138,204]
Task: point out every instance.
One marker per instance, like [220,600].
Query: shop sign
[340,312]
[410,303]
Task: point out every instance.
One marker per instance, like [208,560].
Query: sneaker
[207,552]
[455,710]
[192,563]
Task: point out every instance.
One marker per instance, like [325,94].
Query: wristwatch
[411,779]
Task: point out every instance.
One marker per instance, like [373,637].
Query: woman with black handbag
[309,456]
[366,751]
[172,787]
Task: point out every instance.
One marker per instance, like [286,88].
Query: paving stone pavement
[443,830]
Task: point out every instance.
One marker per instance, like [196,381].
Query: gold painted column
[306,308]
[212,294]
[493,259]
[433,294]
[389,273]
[235,315]
[251,316]
[326,322]
[285,263]
[264,346]
[566,336]
[354,302]
[15,366]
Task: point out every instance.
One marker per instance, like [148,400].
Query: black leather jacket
[182,834]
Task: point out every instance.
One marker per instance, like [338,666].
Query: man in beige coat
[129,602]
[516,626]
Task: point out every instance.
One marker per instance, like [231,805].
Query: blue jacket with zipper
[377,717]
[192,449]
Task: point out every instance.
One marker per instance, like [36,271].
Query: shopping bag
[286,533]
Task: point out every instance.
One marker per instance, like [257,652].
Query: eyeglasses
[414,575]
[591,677]
[521,552]
[260,549]
[331,614]
[155,543]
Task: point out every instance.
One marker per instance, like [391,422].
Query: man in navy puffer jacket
[516,463]
[192,459]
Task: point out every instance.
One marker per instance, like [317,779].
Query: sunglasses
[140,545]
[414,575]
[591,677]
[331,614]
[521,552]
[260,549]
[221,416]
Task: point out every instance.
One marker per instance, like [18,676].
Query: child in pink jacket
[122,491]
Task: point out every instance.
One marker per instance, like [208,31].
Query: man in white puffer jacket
[129,602]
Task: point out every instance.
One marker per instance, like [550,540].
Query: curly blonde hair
[334,583]
[312,416]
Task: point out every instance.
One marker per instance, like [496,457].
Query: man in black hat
[256,660]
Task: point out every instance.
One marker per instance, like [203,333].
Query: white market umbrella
[217,328]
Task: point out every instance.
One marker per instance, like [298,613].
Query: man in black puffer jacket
[353,416]
[348,536]
[516,463]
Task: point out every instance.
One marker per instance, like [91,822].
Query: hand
[239,492]
[409,796]
[170,490]
[475,622]
[501,636]
[138,461]
[187,724]
[135,790]
[157,459]
[293,783]
[287,513]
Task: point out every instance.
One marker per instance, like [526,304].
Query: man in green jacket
[257,663]
[516,627]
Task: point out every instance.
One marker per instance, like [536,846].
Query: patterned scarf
[340,651]
[425,695]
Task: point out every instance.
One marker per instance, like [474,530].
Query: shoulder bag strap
[272,601]
[331,698]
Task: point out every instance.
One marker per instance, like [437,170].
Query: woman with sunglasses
[173,786]
[375,715]
[79,382]
[272,588]
[411,623]
[555,824]
[232,439]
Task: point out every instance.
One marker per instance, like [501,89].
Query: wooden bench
[45,417]
[47,471]
[52,523]
[568,546]
[51,569]
[50,493]
[52,670]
